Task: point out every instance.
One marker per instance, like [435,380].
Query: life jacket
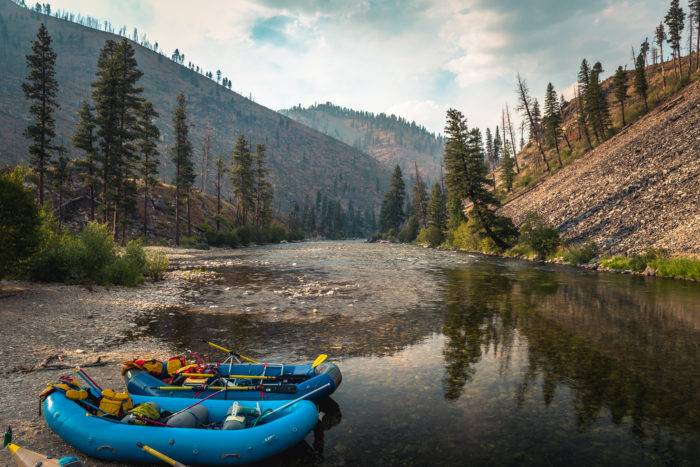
[154,367]
[147,410]
[115,403]
[72,391]
[175,364]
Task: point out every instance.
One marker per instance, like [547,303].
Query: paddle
[159,455]
[284,406]
[320,359]
[283,389]
[230,352]
[295,378]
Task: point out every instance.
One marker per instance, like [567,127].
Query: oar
[230,352]
[159,455]
[284,388]
[195,404]
[320,359]
[267,377]
[284,406]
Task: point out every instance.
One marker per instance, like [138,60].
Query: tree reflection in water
[614,349]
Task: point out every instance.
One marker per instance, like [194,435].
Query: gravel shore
[72,325]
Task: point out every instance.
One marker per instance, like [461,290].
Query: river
[451,358]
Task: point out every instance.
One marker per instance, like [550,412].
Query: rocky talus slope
[638,190]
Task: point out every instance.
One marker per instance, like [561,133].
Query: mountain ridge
[301,159]
[389,138]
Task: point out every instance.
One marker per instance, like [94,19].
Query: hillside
[389,139]
[302,160]
[638,190]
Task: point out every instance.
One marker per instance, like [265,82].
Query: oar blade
[320,359]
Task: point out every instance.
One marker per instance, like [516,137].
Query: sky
[414,58]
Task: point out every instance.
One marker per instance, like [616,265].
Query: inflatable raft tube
[140,382]
[112,440]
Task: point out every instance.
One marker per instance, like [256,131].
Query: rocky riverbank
[49,328]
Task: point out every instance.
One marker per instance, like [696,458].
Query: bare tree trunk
[566,138]
[556,145]
[205,159]
[512,139]
[663,70]
[218,200]
[189,219]
[622,112]
[525,99]
[145,209]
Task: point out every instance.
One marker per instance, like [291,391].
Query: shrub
[53,260]
[538,235]
[677,268]
[228,238]
[430,236]
[409,230]
[619,263]
[157,264]
[95,252]
[20,222]
[465,238]
[580,254]
[275,233]
[124,272]
[194,242]
[246,234]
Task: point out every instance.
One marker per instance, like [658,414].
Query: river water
[450,358]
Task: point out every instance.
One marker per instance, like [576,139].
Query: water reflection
[616,351]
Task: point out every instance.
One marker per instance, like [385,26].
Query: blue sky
[415,58]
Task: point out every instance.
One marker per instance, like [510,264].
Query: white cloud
[427,112]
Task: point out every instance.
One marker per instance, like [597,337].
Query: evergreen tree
[675,20]
[420,200]
[243,181]
[490,153]
[536,127]
[583,94]
[263,189]
[620,89]
[392,213]
[437,208]
[181,154]
[526,106]
[466,179]
[640,80]
[497,146]
[149,134]
[220,172]
[60,178]
[507,172]
[599,112]
[552,121]
[41,88]
[661,37]
[20,223]
[85,139]
[117,103]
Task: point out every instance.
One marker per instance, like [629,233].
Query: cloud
[409,57]
[427,112]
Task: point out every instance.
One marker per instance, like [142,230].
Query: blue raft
[112,440]
[293,381]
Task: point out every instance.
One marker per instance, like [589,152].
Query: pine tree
[640,80]
[85,139]
[507,173]
[220,172]
[181,154]
[117,102]
[263,189]
[497,145]
[392,213]
[420,200]
[243,181]
[526,106]
[600,114]
[536,127]
[562,104]
[149,134]
[41,88]
[620,89]
[586,101]
[660,39]
[675,20]
[467,179]
[490,153]
[437,208]
[552,120]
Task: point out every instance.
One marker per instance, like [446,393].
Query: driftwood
[48,364]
